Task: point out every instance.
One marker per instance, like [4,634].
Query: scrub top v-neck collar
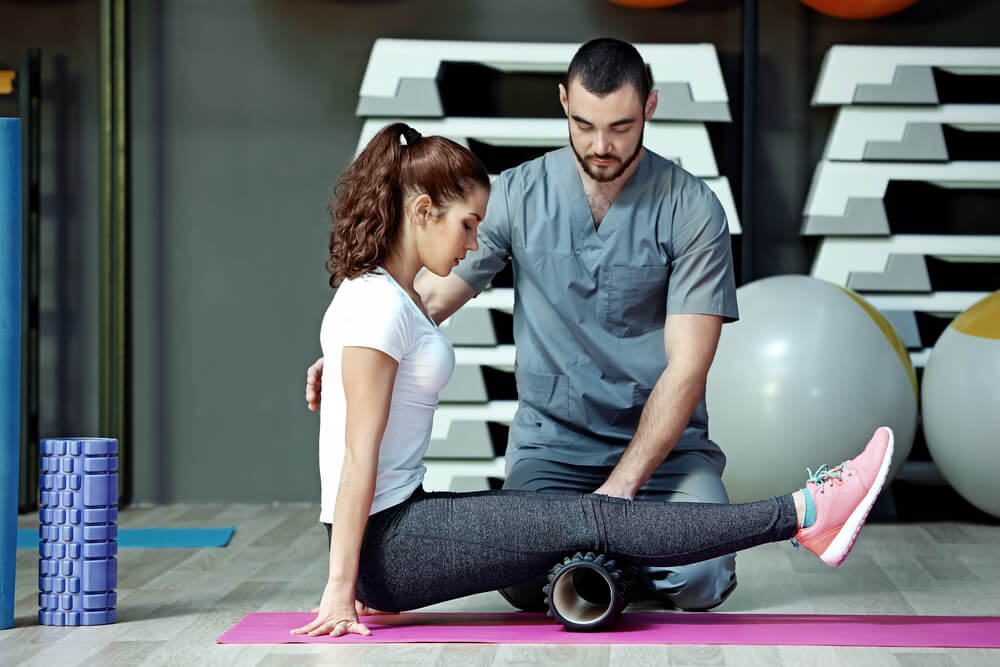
[582,214]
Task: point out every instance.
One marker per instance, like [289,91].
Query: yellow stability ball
[859,9]
[803,379]
[961,404]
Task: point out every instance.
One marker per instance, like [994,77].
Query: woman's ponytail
[367,208]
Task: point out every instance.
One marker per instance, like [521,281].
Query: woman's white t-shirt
[374,311]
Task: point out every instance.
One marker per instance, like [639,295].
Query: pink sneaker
[844,495]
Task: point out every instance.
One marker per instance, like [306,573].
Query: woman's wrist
[339,580]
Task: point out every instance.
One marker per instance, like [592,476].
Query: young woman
[406,206]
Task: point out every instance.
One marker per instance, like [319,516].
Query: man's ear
[651,102]
[564,99]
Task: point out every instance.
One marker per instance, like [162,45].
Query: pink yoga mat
[645,628]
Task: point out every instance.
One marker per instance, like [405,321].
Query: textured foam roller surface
[77,568]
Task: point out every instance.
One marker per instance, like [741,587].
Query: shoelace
[823,475]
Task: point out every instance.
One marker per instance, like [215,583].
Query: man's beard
[607,177]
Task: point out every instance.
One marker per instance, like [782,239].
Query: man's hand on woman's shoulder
[314,384]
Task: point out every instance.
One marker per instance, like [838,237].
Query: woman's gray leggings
[439,546]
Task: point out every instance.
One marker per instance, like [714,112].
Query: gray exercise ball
[961,404]
[803,379]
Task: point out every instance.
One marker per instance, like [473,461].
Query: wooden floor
[173,603]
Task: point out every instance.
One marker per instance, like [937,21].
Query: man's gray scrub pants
[692,477]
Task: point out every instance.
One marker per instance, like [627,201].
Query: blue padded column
[10,356]
[78,571]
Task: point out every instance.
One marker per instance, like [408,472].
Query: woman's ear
[421,208]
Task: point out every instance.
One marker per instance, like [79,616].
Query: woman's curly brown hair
[367,206]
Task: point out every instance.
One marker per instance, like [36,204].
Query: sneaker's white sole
[844,541]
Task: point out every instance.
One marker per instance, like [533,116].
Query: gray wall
[243,116]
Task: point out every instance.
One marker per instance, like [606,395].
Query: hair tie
[411,135]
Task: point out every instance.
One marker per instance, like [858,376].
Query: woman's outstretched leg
[441,546]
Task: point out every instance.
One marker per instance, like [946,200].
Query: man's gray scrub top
[589,304]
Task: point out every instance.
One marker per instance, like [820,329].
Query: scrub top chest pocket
[633,299]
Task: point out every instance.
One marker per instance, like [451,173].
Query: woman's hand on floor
[334,618]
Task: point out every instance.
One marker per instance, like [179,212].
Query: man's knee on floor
[695,587]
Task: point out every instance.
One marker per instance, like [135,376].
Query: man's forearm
[664,418]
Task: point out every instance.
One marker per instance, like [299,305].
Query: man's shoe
[844,495]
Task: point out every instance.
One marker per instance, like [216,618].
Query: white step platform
[500,356]
[846,198]
[895,74]
[400,79]
[501,412]
[904,133]
[466,385]
[935,302]
[464,440]
[440,474]
[838,258]
[468,327]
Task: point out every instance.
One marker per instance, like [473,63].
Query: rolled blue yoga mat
[10,356]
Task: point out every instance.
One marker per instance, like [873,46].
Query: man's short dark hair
[604,65]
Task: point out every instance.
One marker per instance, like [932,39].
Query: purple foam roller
[77,568]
